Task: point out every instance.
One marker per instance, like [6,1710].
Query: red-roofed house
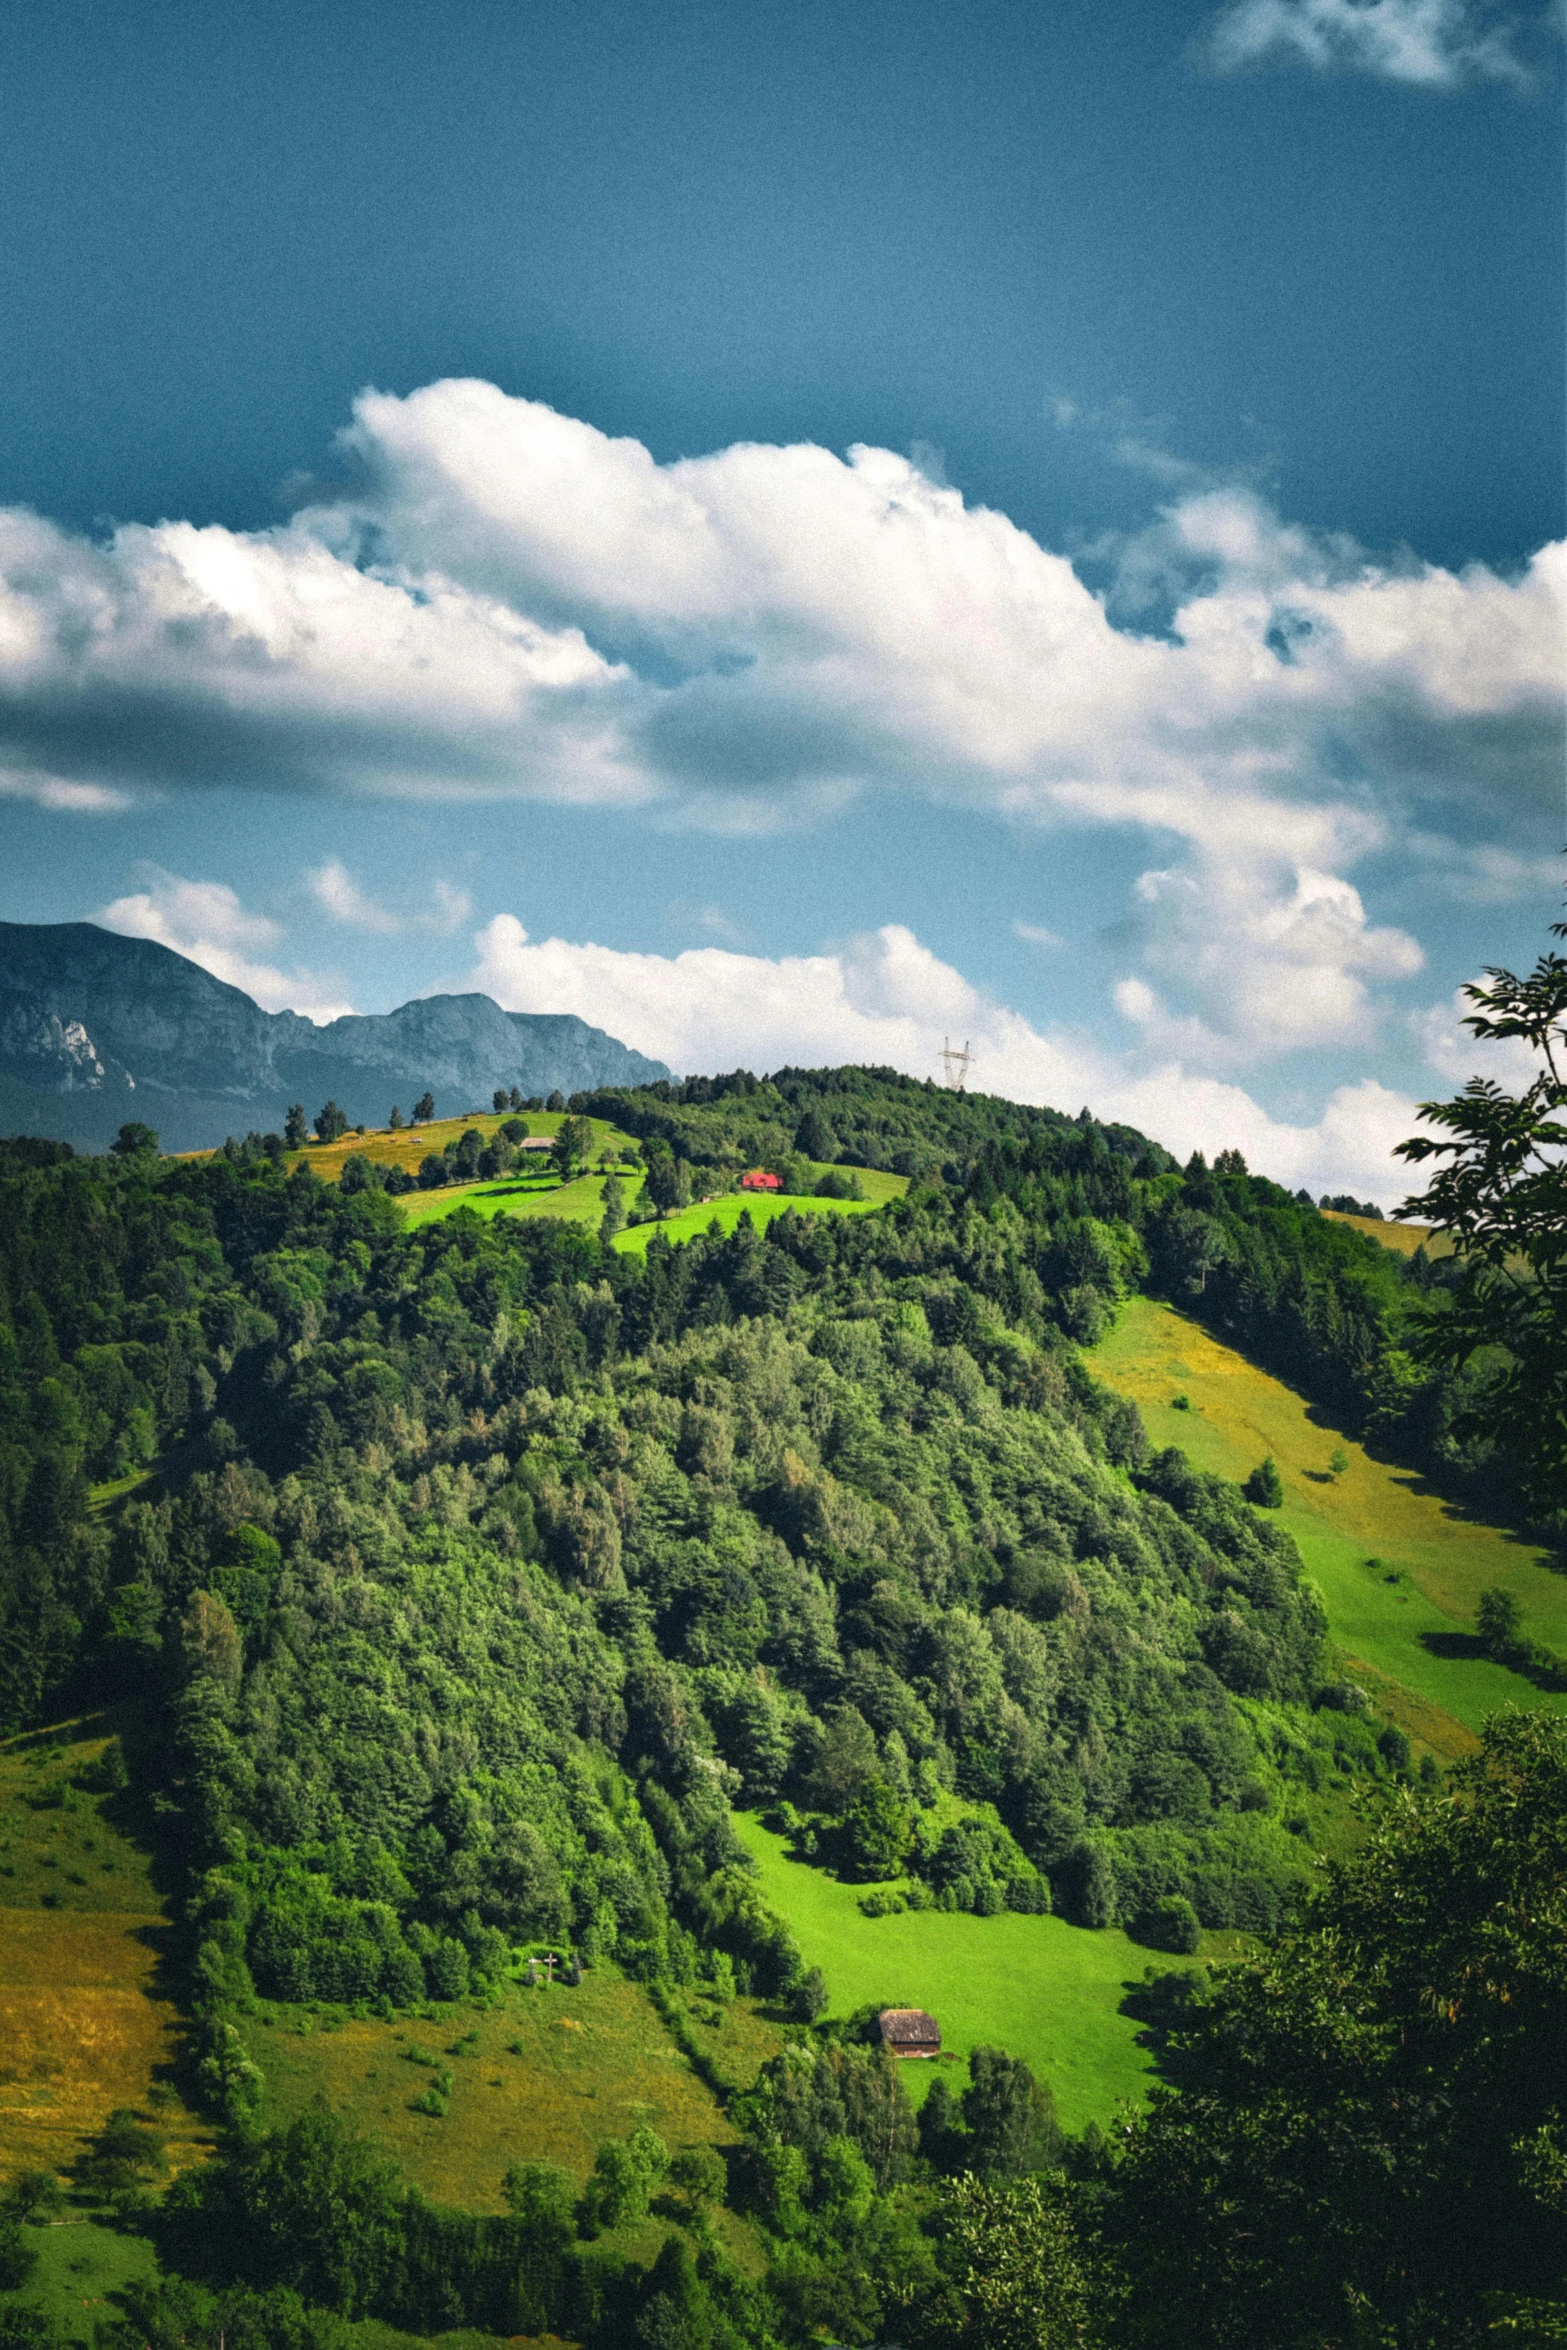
[761,1179]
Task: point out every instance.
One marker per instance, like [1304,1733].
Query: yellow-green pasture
[1042,1989]
[544,2075]
[1400,1566]
[1403,1239]
[86,2023]
[547,2075]
[408,1146]
[578,1202]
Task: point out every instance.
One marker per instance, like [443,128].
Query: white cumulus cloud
[58,793]
[205,921]
[1435,44]
[339,895]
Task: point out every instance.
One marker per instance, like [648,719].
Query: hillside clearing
[408,1146]
[594,2063]
[582,1202]
[82,2264]
[88,2025]
[1400,1567]
[1402,1239]
[1036,1986]
[761,1207]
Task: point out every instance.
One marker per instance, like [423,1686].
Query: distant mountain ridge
[96,1029]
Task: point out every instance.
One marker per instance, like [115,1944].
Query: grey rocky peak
[94,1026]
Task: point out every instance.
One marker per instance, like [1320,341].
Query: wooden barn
[909,2031]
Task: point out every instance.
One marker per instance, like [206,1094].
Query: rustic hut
[909,2031]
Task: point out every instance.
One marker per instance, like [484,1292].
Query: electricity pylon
[954,1064]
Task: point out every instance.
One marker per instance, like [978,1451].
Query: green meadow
[762,1207]
[1045,1990]
[82,2264]
[582,1202]
[1400,1566]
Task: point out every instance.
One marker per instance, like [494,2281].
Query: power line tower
[954,1064]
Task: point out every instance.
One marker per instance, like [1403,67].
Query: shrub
[1171,1924]
[1264,1488]
[1499,1624]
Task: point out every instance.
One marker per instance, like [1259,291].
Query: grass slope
[87,2024]
[761,1207]
[582,1202]
[548,2075]
[82,2263]
[594,2063]
[409,1146]
[1402,1239]
[1042,1989]
[1400,1567]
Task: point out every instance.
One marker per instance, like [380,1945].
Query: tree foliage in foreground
[1370,2142]
[1502,1193]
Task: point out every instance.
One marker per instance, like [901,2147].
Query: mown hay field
[86,2020]
[1400,1566]
[1044,1990]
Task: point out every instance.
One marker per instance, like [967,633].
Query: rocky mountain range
[96,1029]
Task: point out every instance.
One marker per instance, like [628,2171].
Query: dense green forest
[467,1578]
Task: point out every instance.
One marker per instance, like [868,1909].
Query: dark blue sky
[703,223]
[1264,339]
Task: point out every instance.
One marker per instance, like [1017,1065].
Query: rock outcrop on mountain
[96,1029]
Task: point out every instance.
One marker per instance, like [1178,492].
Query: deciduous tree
[1502,1194]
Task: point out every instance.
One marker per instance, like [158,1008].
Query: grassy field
[542,2076]
[579,1202]
[409,1146]
[81,2264]
[761,1207]
[88,2024]
[1403,1239]
[1400,1567]
[582,1202]
[1040,1988]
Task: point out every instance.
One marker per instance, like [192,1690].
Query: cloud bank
[500,601]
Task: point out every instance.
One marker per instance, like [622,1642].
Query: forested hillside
[472,1574]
